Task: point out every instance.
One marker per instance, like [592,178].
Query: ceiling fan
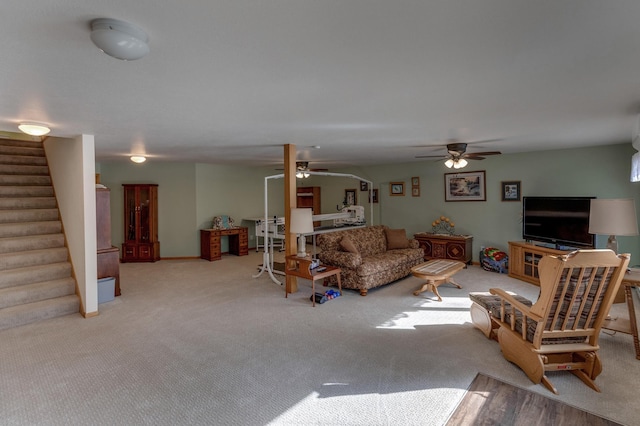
[302,169]
[457,154]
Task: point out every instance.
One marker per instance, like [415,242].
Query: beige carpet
[492,402]
[197,342]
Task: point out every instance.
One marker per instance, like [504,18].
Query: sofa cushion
[396,239]
[346,244]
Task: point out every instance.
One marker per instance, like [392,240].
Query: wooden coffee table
[436,272]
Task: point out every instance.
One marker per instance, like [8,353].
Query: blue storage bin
[106,289]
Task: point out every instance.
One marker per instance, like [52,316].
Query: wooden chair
[561,328]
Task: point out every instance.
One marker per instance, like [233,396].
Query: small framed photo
[364,186]
[350,197]
[467,186]
[415,181]
[510,191]
[415,191]
[373,195]
[396,188]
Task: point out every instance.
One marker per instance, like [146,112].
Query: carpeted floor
[492,402]
[197,342]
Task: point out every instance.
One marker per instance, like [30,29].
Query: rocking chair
[560,330]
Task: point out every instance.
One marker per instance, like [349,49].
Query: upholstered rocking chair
[562,327]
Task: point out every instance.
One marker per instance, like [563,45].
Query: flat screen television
[563,221]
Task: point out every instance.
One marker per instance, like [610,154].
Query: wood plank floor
[492,402]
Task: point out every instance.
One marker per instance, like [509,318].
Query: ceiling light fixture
[456,163]
[119,39]
[34,129]
[138,158]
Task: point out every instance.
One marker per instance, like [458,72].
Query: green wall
[191,194]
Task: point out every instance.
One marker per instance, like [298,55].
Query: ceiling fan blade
[472,157]
[431,156]
[486,153]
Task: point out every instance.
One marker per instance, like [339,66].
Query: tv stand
[524,258]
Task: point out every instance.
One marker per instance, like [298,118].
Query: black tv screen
[563,221]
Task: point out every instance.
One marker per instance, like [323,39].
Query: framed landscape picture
[396,188]
[510,191]
[466,186]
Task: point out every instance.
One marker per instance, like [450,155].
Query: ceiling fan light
[34,129]
[449,163]
[299,175]
[460,163]
[138,158]
[119,39]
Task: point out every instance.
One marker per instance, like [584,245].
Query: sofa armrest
[341,259]
[413,243]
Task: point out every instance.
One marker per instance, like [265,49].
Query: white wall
[72,168]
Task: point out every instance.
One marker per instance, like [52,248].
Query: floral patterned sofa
[369,257]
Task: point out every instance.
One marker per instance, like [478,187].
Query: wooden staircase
[36,282]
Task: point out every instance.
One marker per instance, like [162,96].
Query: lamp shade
[613,217]
[301,221]
[119,39]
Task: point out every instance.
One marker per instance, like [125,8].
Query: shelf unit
[524,258]
[140,223]
[309,197]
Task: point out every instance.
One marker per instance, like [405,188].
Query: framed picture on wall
[415,191]
[373,195]
[510,191]
[396,188]
[364,186]
[350,197]
[467,186]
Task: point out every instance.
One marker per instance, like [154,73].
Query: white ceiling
[369,81]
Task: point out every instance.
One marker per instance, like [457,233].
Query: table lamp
[613,217]
[301,223]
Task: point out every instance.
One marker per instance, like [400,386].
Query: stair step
[46,309]
[32,258]
[33,143]
[24,180]
[21,169]
[30,293]
[21,150]
[30,228]
[31,242]
[35,274]
[28,215]
[26,191]
[28,203]
[23,159]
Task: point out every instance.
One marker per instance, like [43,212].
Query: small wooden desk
[210,242]
[299,267]
[436,272]
[623,325]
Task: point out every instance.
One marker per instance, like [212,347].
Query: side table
[300,267]
[623,325]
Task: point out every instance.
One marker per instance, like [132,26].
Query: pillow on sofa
[396,239]
[347,245]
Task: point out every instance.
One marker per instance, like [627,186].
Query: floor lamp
[301,223]
[613,217]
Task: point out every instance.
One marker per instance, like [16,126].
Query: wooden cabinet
[108,255]
[309,197]
[440,246]
[210,244]
[524,258]
[140,223]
